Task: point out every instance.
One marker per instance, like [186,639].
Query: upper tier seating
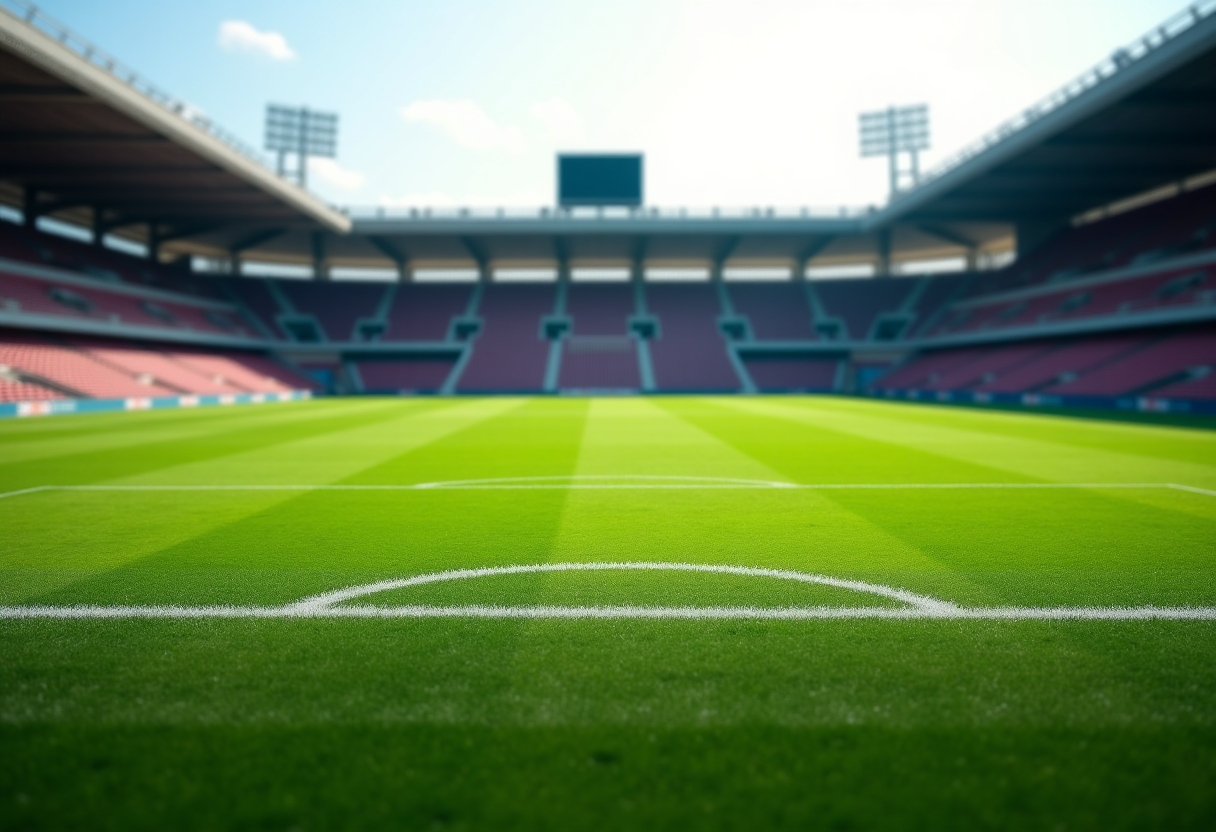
[690,352]
[777,311]
[98,262]
[859,302]
[254,295]
[599,308]
[336,306]
[509,352]
[424,311]
[1185,223]
[1171,287]
[26,294]
[1119,364]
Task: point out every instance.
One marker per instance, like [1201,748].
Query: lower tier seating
[1169,363]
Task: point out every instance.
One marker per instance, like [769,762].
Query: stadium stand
[857,303]
[417,375]
[775,311]
[423,312]
[23,391]
[689,352]
[509,352]
[599,353]
[73,370]
[1154,364]
[789,374]
[336,307]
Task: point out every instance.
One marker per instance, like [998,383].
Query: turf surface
[473,723]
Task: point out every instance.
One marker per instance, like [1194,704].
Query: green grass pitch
[196,696]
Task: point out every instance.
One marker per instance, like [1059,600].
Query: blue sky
[748,103]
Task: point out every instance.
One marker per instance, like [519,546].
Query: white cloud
[334,175]
[561,120]
[241,36]
[467,124]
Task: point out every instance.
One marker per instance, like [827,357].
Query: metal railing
[1118,61]
[52,28]
[424,214]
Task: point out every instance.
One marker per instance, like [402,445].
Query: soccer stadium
[604,514]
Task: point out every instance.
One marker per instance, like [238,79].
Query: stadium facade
[1105,192]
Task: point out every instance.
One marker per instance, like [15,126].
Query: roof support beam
[946,235]
[721,255]
[809,252]
[478,256]
[404,272]
[183,232]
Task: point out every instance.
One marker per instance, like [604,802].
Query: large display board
[599,179]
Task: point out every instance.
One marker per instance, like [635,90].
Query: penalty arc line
[324,605]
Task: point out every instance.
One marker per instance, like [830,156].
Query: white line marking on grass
[619,482]
[325,605]
[1192,489]
[33,490]
[329,599]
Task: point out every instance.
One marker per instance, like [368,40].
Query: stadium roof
[81,132]
[85,138]
[1142,119]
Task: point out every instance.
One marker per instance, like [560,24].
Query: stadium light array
[893,131]
[302,132]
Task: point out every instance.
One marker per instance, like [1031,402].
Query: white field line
[678,613]
[329,599]
[623,482]
[324,605]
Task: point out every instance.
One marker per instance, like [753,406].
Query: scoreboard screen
[599,180]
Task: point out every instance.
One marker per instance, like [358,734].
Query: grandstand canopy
[1143,119]
[86,141]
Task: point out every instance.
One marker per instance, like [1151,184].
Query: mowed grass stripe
[996,546]
[217,544]
[1092,430]
[186,425]
[325,457]
[1053,461]
[163,453]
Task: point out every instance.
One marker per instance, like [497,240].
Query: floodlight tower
[302,132]
[893,131]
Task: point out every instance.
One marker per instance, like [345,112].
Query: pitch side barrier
[59,407]
[1146,404]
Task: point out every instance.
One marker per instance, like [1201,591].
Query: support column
[405,272]
[882,261]
[98,229]
[320,268]
[29,208]
[971,259]
[153,242]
